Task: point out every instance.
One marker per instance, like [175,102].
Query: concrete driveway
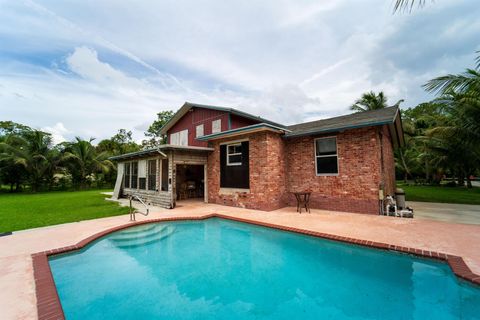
[448,212]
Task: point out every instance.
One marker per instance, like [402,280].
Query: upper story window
[326,157]
[234,154]
[179,138]
[217,126]
[199,132]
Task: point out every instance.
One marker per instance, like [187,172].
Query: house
[233,158]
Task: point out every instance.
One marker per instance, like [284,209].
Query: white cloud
[99,66]
[58,132]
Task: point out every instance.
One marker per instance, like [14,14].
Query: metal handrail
[133,210]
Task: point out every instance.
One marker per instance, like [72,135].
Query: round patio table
[303,201]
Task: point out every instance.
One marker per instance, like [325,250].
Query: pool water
[220,269]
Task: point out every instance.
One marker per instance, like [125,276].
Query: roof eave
[243,130]
[337,129]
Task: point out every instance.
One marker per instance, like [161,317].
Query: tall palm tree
[372,101]
[460,96]
[83,160]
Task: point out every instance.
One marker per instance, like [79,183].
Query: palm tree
[30,151]
[372,101]
[460,94]
[83,160]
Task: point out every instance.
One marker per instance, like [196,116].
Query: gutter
[239,130]
[337,129]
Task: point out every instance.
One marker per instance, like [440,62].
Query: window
[199,130]
[326,158]
[152,174]
[174,138]
[234,165]
[217,126]
[164,175]
[179,138]
[142,183]
[134,183]
[234,154]
[126,181]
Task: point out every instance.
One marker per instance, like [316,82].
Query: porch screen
[126,180]
[234,170]
[164,174]
[152,174]
[134,183]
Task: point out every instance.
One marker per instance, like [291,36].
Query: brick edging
[48,302]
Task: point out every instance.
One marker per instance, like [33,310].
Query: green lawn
[442,194]
[24,211]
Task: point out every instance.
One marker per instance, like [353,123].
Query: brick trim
[48,302]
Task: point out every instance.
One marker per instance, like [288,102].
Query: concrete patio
[17,297]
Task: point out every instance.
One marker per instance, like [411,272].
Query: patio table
[303,201]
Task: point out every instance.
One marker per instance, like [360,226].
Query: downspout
[382,172]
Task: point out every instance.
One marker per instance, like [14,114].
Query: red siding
[198,116]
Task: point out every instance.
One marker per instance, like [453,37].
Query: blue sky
[88,68]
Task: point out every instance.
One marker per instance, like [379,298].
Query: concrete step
[134,243]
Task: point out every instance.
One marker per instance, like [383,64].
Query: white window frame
[217,126]
[199,130]
[174,138]
[325,156]
[183,138]
[233,154]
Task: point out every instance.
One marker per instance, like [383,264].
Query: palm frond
[407,5]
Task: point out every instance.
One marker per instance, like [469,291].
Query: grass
[24,211]
[442,194]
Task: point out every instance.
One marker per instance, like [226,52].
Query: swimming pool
[221,269]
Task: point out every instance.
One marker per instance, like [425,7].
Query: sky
[90,67]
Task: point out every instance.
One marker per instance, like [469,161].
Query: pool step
[138,229]
[138,233]
[138,242]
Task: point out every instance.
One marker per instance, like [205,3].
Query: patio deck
[17,294]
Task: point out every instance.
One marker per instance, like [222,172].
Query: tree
[83,161]
[153,131]
[122,142]
[459,95]
[31,151]
[371,101]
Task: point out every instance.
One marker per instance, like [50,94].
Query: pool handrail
[133,210]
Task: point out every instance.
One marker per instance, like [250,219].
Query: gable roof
[188,105]
[388,116]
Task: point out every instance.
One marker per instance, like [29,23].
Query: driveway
[448,212]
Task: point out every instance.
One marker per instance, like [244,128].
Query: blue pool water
[219,269]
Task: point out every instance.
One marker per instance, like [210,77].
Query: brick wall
[267,174]
[354,189]
[281,166]
[388,162]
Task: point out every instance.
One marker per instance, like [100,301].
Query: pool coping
[48,301]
